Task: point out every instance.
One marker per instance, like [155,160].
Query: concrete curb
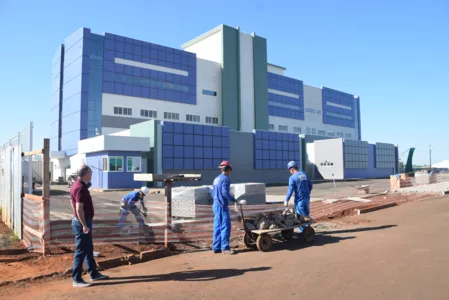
[102,265]
[14,260]
[98,190]
[371,209]
[13,251]
[133,259]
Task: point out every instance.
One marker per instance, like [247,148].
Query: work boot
[229,252]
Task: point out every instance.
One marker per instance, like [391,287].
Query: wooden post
[168,180]
[168,186]
[46,194]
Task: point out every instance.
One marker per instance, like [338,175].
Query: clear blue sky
[393,54]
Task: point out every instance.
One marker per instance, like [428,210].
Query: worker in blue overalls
[128,204]
[222,218]
[299,183]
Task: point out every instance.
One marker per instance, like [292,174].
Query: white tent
[441,165]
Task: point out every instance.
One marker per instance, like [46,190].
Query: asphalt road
[397,253]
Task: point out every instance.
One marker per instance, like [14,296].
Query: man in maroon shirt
[83,213]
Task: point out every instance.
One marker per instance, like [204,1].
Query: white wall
[246,83]
[93,144]
[111,130]
[313,100]
[275,69]
[59,166]
[113,143]
[126,132]
[210,47]
[208,77]
[323,155]
[310,149]
[76,161]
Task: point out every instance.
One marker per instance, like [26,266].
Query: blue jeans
[84,250]
[136,212]
[222,228]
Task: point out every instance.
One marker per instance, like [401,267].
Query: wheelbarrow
[262,238]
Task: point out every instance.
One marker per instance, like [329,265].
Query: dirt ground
[21,264]
[387,254]
[7,239]
[17,266]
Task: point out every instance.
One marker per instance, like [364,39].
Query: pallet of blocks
[185,199]
[253,193]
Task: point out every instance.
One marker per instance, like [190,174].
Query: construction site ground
[17,264]
[397,253]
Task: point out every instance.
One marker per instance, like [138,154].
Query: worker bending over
[128,204]
[222,219]
[300,183]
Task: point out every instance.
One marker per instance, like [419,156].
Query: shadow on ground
[321,239]
[356,229]
[195,275]
[59,191]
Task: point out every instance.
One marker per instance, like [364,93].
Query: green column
[260,83]
[230,77]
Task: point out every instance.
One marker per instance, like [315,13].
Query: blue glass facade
[359,127]
[95,78]
[338,108]
[193,147]
[75,90]
[90,69]
[88,65]
[123,79]
[82,89]
[284,106]
[56,99]
[273,150]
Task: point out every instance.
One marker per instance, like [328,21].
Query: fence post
[17,208]
[168,186]
[46,193]
[30,161]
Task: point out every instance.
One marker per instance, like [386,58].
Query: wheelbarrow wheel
[264,242]
[248,241]
[287,234]
[308,234]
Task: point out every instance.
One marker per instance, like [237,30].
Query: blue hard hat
[292,164]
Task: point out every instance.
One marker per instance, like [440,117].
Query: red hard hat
[225,163]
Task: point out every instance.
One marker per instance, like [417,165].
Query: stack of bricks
[185,199]
[402,181]
[253,193]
